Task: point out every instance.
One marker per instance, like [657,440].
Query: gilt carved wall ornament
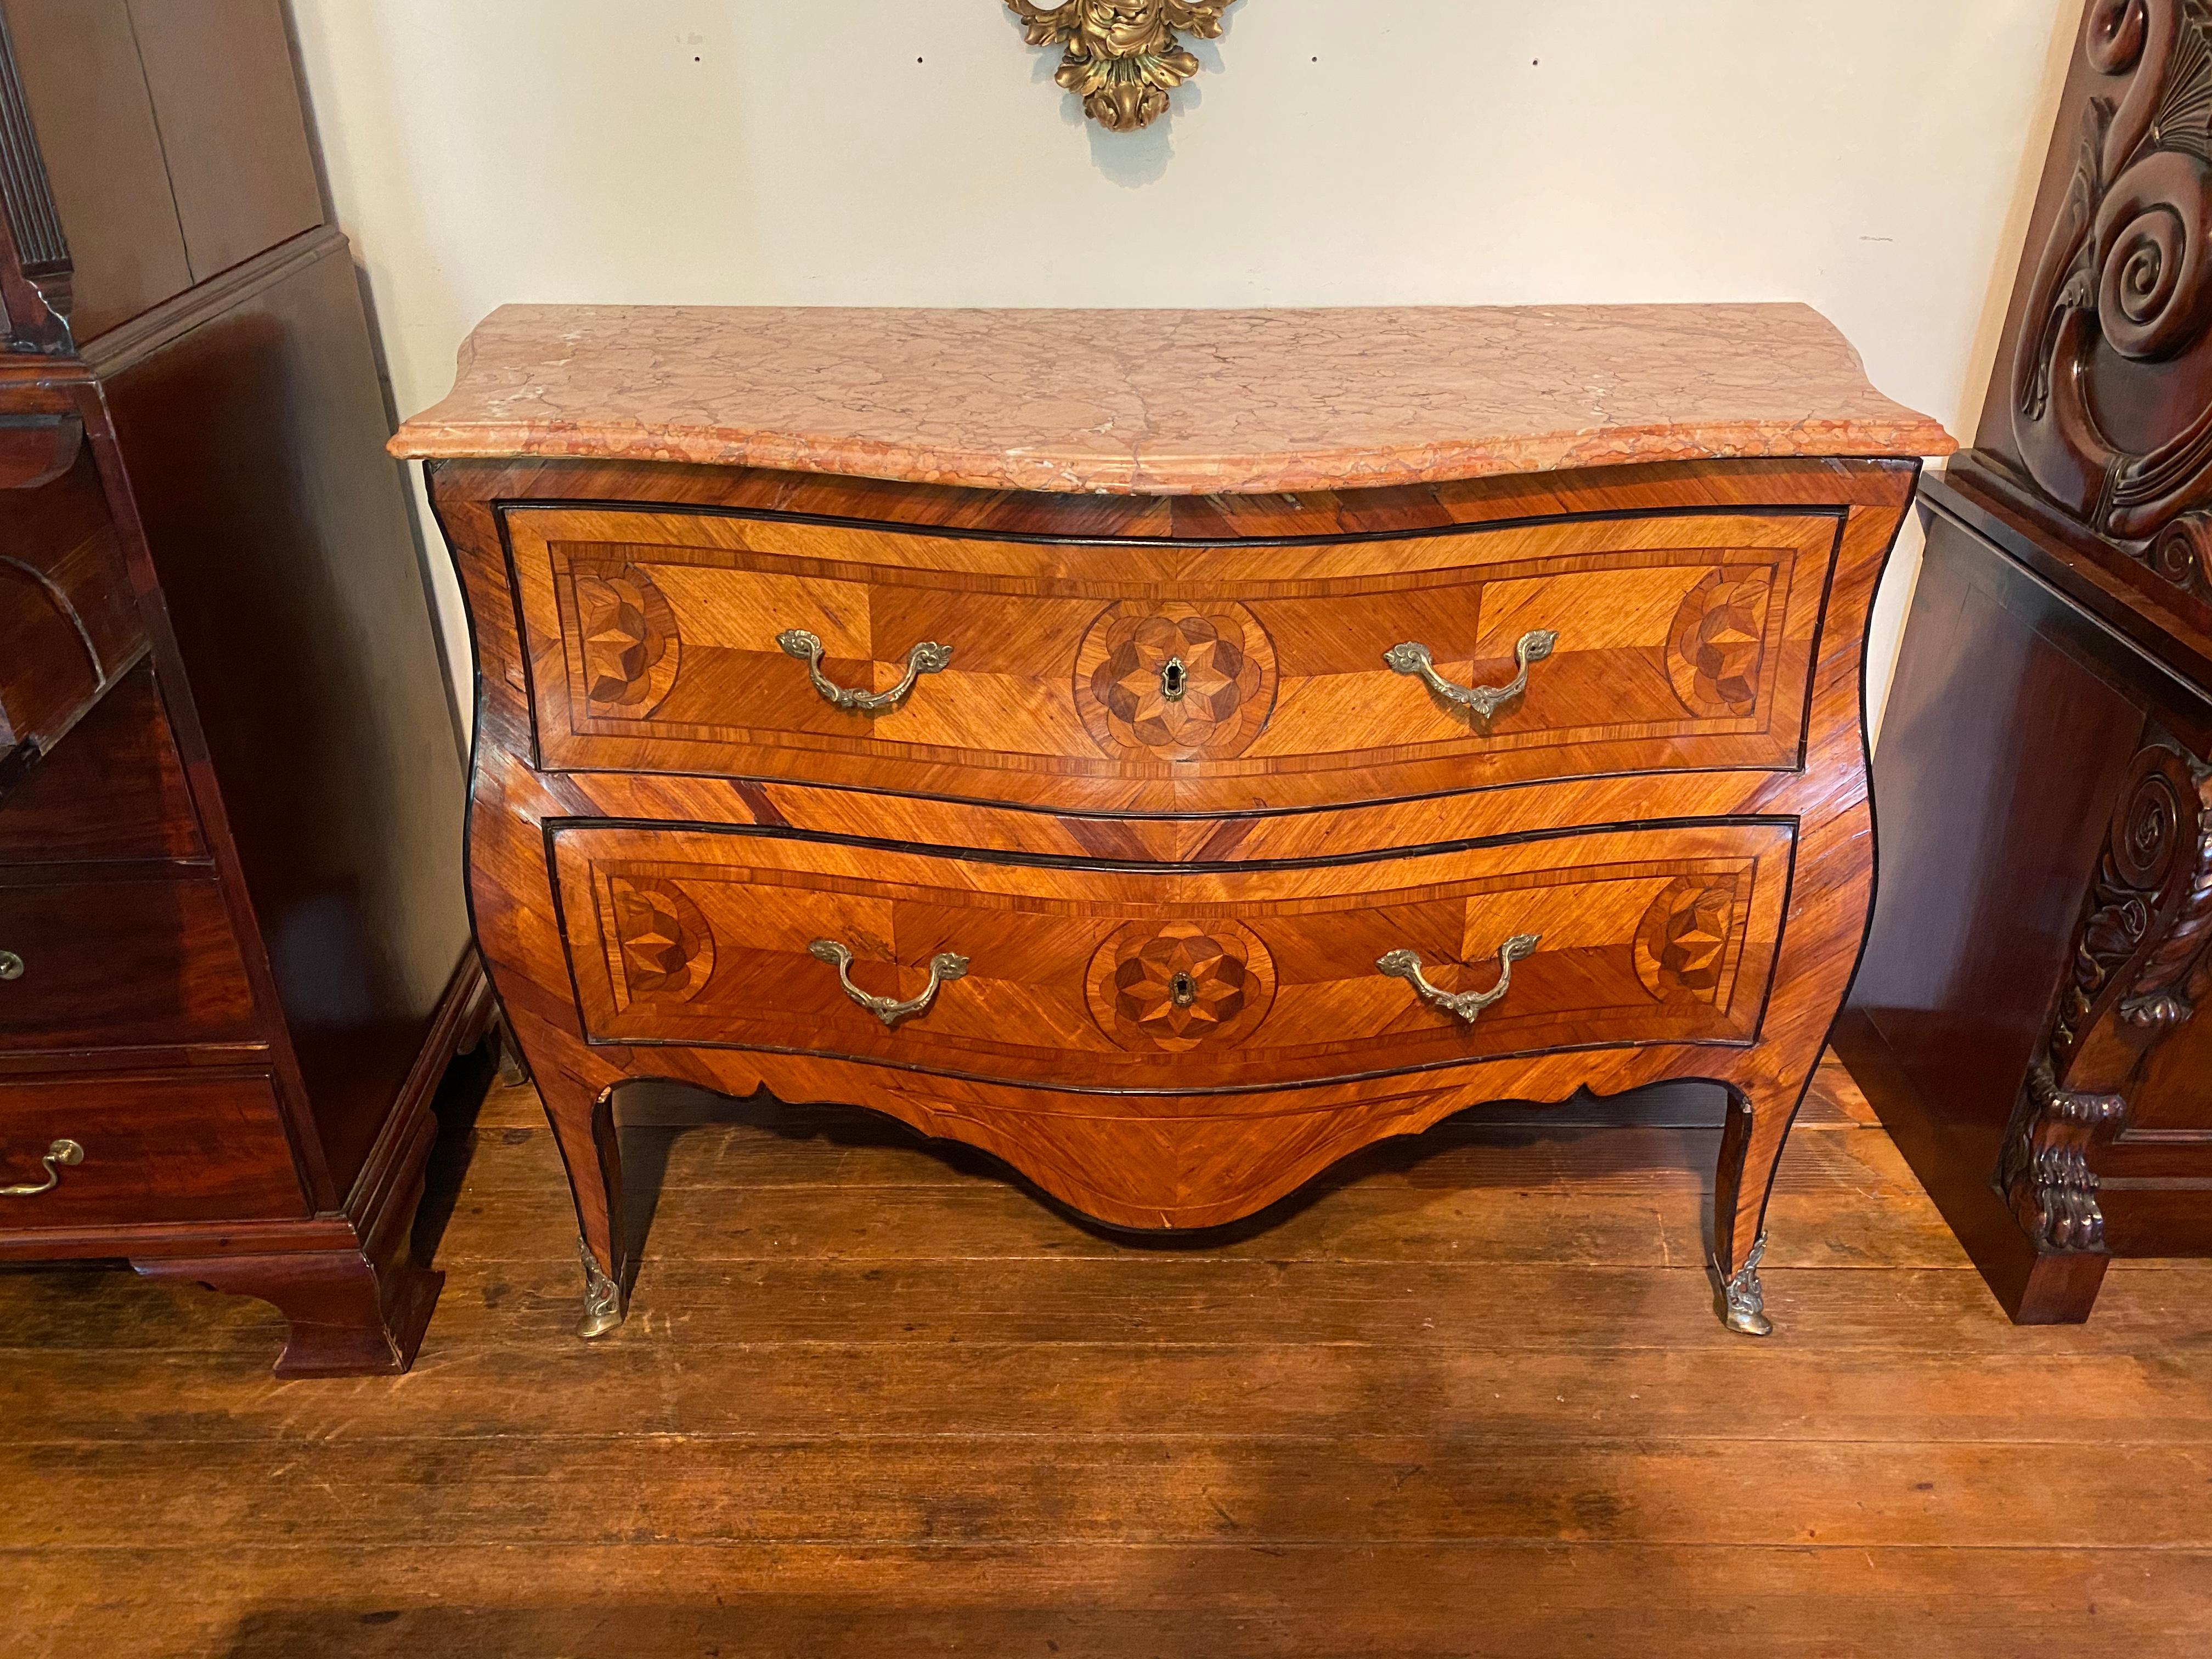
[2124,285]
[1122,57]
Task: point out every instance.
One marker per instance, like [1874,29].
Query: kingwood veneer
[1174,774]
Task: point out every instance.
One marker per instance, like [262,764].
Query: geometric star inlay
[1170,987]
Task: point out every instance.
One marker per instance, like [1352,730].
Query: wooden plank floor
[1467,1397]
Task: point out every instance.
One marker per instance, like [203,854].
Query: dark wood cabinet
[234,953]
[2025,1022]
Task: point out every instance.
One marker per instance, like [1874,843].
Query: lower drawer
[154,1148]
[1174,980]
[120,964]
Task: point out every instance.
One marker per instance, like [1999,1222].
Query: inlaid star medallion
[1174,681]
[1718,642]
[1682,945]
[668,950]
[1171,987]
[625,630]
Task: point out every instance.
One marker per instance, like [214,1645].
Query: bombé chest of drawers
[1169,750]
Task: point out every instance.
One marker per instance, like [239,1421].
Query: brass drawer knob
[1416,659]
[943,968]
[1467,1005]
[11,965]
[928,657]
[61,1152]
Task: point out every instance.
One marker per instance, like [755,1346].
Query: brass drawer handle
[929,657]
[1407,965]
[61,1151]
[1485,699]
[943,968]
[11,965]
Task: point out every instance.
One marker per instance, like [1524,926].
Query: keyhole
[1183,990]
[1175,680]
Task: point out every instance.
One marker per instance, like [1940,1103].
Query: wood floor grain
[1467,1397]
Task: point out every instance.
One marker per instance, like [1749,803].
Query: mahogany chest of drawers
[233,955]
[1169,769]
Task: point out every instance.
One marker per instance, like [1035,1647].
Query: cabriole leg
[1751,1146]
[584,1127]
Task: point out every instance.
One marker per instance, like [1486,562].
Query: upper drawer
[1175,676]
[1173,981]
[117,965]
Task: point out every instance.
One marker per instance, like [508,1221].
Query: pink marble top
[1164,402]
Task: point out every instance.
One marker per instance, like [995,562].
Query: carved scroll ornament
[2123,280]
[1123,57]
[2141,946]
[2141,966]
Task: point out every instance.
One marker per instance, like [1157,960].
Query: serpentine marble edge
[1164,403]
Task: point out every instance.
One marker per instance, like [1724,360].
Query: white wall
[1875,159]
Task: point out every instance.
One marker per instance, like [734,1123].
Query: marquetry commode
[1169,750]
